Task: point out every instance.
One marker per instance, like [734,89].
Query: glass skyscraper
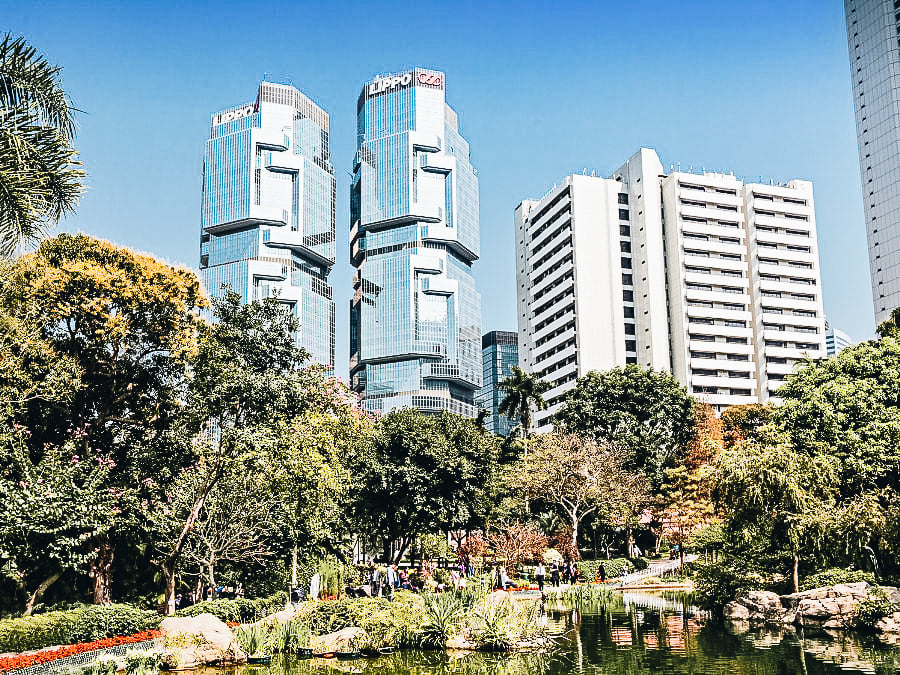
[499,353]
[415,316]
[268,209]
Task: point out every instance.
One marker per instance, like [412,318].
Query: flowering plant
[47,655]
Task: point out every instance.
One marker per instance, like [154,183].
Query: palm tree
[523,391]
[40,178]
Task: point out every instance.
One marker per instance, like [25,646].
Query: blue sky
[542,90]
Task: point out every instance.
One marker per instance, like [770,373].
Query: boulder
[735,611]
[198,640]
[336,642]
[889,624]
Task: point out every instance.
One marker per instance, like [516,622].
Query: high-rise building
[499,353]
[268,209]
[836,340]
[710,278]
[415,316]
[873,40]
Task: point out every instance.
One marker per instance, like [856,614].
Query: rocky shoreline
[828,607]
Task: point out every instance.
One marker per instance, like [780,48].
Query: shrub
[834,576]
[614,568]
[717,584]
[83,624]
[584,595]
[255,639]
[877,606]
[141,663]
[500,624]
[240,610]
[443,612]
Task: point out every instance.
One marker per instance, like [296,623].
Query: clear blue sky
[542,90]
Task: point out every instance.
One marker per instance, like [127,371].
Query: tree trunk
[101,572]
[575,535]
[39,592]
[212,577]
[294,567]
[169,574]
[629,543]
[795,579]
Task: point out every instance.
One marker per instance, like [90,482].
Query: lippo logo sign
[384,85]
[235,114]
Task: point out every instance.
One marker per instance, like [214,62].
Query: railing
[62,665]
[657,570]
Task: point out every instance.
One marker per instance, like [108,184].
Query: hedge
[614,567]
[82,624]
[240,610]
[87,623]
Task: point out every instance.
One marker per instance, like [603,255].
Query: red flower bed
[46,655]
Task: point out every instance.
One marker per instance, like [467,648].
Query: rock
[735,611]
[762,602]
[337,641]
[889,624]
[198,640]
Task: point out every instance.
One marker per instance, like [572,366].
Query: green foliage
[614,567]
[498,624]
[84,624]
[717,584]
[397,623]
[241,610]
[877,606]
[644,412]
[290,636]
[443,613]
[423,473]
[256,639]
[99,667]
[524,393]
[142,662]
[585,595]
[39,172]
[834,576]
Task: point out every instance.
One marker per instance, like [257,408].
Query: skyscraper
[415,316]
[268,209]
[836,340]
[873,40]
[499,353]
[710,278]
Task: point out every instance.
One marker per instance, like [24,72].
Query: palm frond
[28,80]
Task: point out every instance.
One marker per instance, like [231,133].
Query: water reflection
[632,633]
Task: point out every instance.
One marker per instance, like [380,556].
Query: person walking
[539,573]
[554,574]
[601,572]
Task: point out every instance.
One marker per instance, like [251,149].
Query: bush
[717,584]
[834,576]
[877,606]
[614,568]
[83,624]
[240,610]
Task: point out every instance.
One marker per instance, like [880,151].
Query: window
[628,296]
[730,273]
[625,230]
[630,359]
[630,345]
[736,340]
[625,246]
[703,355]
[627,280]
[702,338]
[738,357]
[629,312]
[699,287]
[696,253]
[623,214]
[705,372]
[740,392]
[736,324]
[630,329]
[698,320]
[623,198]
[626,263]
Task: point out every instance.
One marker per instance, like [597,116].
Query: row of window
[802,346]
[776,230]
[555,350]
[734,306]
[705,237]
[553,317]
[700,321]
[786,200]
[711,254]
[704,188]
[705,372]
[714,356]
[785,247]
[559,331]
[796,296]
[720,391]
[792,280]
[707,205]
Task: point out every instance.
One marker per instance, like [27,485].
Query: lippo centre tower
[415,316]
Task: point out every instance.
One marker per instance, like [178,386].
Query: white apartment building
[873,41]
[712,279]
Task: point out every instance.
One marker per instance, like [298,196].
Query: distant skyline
[761,89]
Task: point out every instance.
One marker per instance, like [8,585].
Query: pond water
[638,633]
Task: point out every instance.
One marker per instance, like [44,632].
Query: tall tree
[524,393]
[125,327]
[579,477]
[647,414]
[788,495]
[421,474]
[684,504]
[891,326]
[40,178]
[748,422]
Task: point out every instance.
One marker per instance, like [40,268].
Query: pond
[637,633]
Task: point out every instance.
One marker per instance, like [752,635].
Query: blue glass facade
[499,353]
[268,209]
[415,316]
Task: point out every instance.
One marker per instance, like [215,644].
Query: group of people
[566,573]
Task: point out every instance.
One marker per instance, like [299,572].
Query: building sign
[236,114]
[386,85]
